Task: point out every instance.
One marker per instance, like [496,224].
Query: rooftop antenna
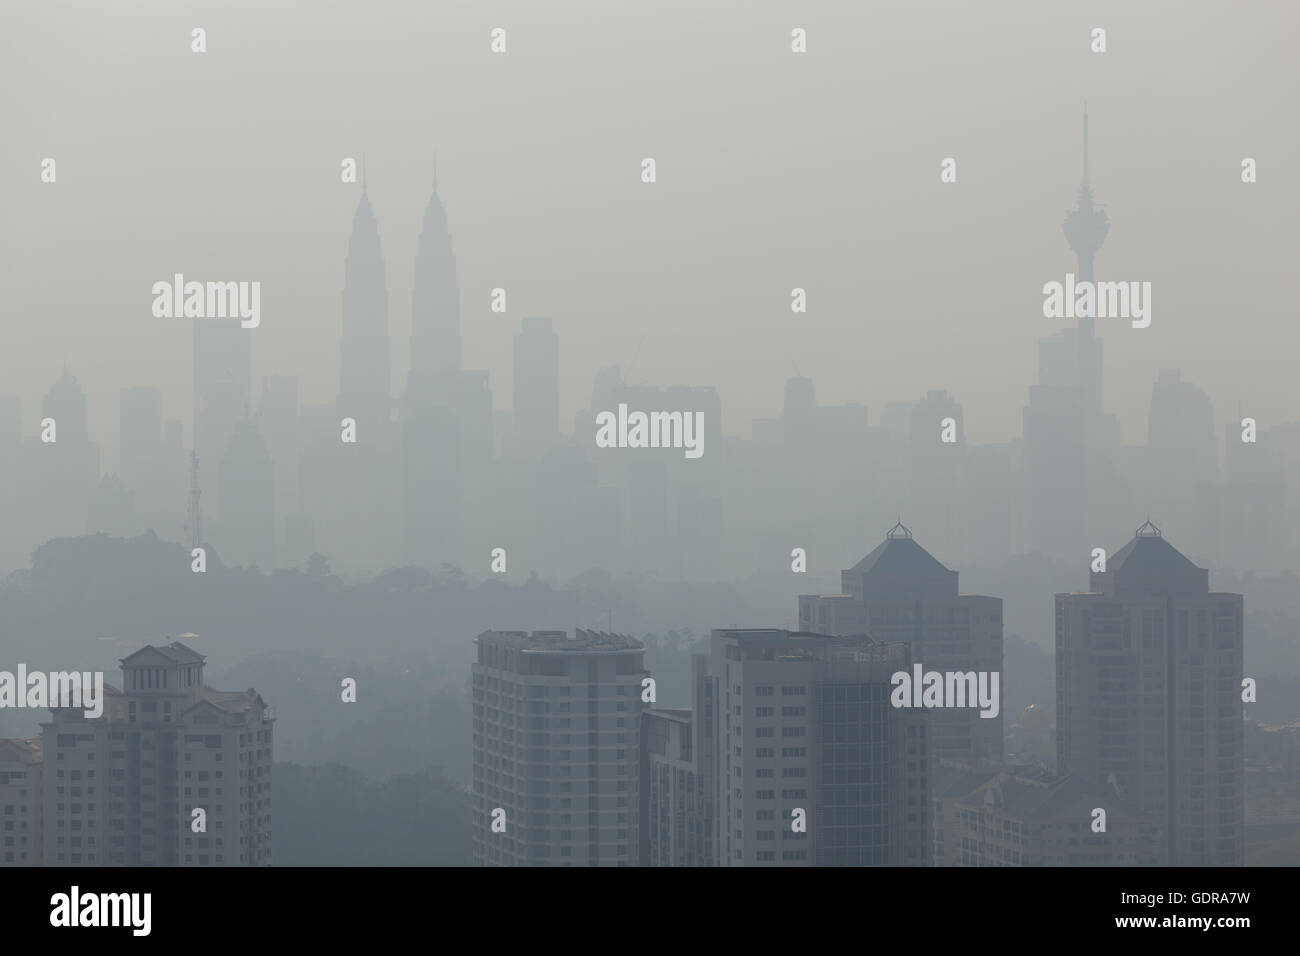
[1085,142]
[195,521]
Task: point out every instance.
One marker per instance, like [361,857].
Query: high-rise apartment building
[811,764]
[20,802]
[1148,698]
[556,730]
[122,788]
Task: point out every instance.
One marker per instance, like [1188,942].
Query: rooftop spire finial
[363,174]
[1149,530]
[897,531]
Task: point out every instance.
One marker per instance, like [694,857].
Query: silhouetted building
[556,727]
[112,508]
[140,444]
[432,467]
[120,789]
[1148,698]
[364,381]
[245,519]
[66,469]
[223,374]
[1069,441]
[362,472]
[537,387]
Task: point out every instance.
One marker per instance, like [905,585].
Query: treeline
[332,815]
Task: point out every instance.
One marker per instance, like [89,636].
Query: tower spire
[1085,144]
[363,174]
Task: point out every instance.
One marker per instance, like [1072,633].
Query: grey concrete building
[20,802]
[556,734]
[1148,698]
[899,592]
[804,723]
[120,789]
[678,790]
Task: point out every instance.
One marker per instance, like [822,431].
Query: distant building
[1148,698]
[223,374]
[1022,816]
[120,789]
[140,449]
[537,387]
[556,734]
[67,469]
[433,478]
[245,526]
[20,802]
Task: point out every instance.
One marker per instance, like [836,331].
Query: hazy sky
[775,170]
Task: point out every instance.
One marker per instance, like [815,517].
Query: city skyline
[822,435]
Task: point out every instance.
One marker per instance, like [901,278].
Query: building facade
[811,763]
[20,802]
[900,593]
[1149,667]
[556,735]
[121,789]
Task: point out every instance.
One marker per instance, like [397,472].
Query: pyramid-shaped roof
[899,568]
[1150,564]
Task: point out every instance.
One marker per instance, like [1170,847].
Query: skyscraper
[804,723]
[361,472]
[537,387]
[67,469]
[1148,698]
[556,725]
[899,592]
[364,384]
[244,531]
[431,433]
[1067,434]
[223,372]
[435,311]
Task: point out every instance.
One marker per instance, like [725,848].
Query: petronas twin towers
[423,442]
